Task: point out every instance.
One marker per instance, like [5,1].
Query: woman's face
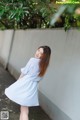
[39,53]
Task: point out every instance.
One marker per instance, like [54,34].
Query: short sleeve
[25,69]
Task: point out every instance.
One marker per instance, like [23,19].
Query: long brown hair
[45,58]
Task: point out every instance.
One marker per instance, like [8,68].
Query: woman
[25,90]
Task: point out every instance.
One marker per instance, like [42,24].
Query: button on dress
[25,90]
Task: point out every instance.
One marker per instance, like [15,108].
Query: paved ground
[35,113]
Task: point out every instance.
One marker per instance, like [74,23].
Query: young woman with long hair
[25,90]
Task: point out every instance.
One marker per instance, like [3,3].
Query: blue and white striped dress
[25,90]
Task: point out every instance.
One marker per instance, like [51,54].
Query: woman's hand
[21,75]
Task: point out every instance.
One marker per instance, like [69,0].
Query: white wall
[5,44]
[61,84]
[1,40]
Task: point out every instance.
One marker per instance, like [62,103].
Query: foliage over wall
[23,14]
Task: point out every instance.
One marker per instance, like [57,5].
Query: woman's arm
[25,69]
[21,75]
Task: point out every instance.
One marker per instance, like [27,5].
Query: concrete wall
[59,91]
[5,46]
[1,41]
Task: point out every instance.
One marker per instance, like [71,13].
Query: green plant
[24,14]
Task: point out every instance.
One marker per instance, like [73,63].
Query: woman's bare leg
[24,111]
